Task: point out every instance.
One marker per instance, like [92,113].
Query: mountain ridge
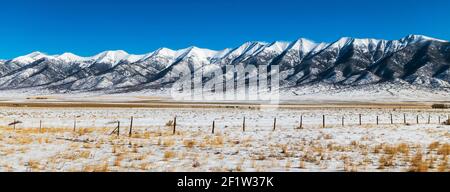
[415,59]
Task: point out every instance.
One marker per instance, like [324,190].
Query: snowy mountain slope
[348,62]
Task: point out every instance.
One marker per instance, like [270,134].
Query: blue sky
[86,27]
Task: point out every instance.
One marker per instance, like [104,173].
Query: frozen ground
[383,92]
[153,147]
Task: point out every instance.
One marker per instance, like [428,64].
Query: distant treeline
[441,106]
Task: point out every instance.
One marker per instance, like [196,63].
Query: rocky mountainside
[413,60]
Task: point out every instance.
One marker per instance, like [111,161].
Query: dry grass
[193,148]
[168,142]
[444,149]
[443,166]
[169,155]
[433,146]
[418,164]
[85,154]
[34,165]
[302,164]
[189,143]
[403,148]
[386,161]
[103,167]
[118,160]
[84,131]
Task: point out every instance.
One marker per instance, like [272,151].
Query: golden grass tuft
[444,150]
[418,164]
[386,161]
[168,142]
[443,166]
[103,167]
[433,146]
[189,143]
[34,165]
[169,155]
[84,131]
[85,154]
[118,160]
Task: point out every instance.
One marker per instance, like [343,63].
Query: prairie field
[73,139]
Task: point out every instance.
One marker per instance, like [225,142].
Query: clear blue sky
[86,27]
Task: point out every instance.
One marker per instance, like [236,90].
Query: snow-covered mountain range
[348,62]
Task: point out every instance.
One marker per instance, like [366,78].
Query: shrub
[169,123]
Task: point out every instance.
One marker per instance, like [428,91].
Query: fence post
[301,121]
[377,120]
[323,121]
[14,124]
[131,127]
[274,123]
[417,119]
[429,118]
[213,126]
[40,126]
[439,119]
[74,124]
[118,128]
[392,120]
[404,118]
[360,122]
[243,125]
[174,125]
[343,122]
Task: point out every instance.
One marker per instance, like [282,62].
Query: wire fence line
[244,122]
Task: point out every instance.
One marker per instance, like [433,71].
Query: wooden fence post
[131,127]
[377,120]
[118,128]
[174,125]
[417,119]
[74,124]
[404,118]
[392,120]
[429,118]
[40,126]
[14,124]
[243,125]
[301,121]
[439,119]
[274,123]
[360,122]
[323,121]
[213,126]
[343,121]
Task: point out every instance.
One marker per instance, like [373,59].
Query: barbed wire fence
[126,126]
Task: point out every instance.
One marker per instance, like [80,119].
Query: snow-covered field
[398,91]
[154,147]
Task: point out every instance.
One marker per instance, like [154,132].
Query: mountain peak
[165,51]
[342,42]
[278,46]
[197,52]
[419,38]
[249,48]
[70,57]
[303,45]
[114,52]
[113,57]
[30,58]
